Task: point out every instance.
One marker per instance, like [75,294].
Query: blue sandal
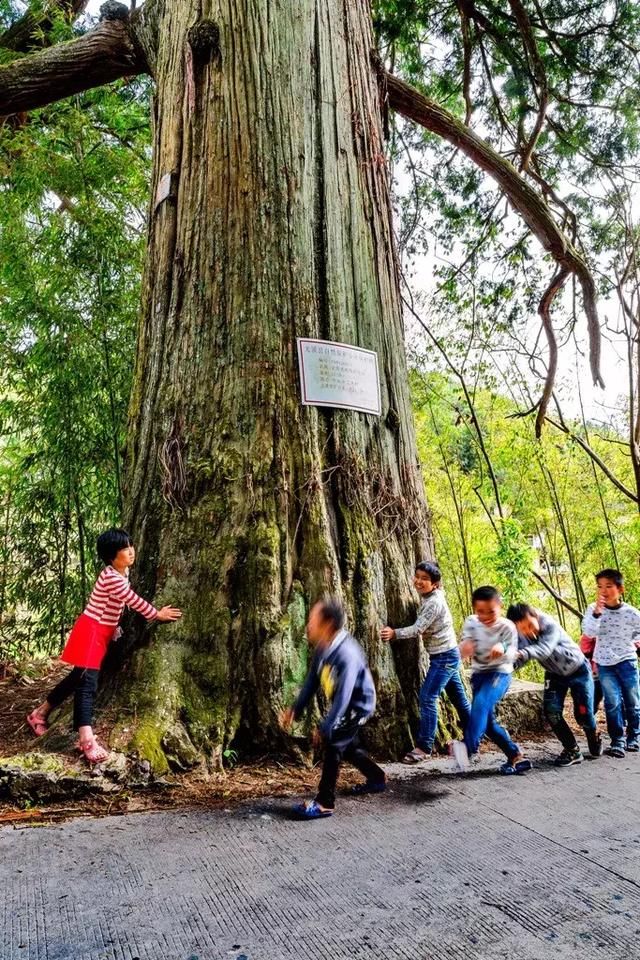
[368,787]
[511,769]
[523,765]
[311,811]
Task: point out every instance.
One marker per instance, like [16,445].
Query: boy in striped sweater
[90,637]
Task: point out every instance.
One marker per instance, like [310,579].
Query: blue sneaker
[633,746]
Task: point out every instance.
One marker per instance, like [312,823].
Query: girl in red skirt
[92,633]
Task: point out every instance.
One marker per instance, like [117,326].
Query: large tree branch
[557,282]
[531,206]
[561,425]
[31,30]
[102,55]
[466,68]
[539,74]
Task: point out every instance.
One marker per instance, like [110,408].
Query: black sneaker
[617,752]
[633,746]
[568,757]
[595,743]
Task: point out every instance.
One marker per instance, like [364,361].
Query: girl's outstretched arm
[119,588]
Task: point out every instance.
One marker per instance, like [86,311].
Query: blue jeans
[621,690]
[556,688]
[444,674]
[488,689]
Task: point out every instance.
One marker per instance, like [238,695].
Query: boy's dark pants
[83,684]
[344,745]
[556,688]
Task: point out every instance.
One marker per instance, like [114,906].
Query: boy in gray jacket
[566,669]
[435,625]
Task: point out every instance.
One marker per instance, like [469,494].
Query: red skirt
[87,643]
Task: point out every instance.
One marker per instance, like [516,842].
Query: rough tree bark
[245,505]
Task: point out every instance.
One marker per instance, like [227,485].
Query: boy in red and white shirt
[90,637]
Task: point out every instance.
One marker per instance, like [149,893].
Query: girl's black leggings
[83,684]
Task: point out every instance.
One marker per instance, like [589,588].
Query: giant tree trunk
[246,506]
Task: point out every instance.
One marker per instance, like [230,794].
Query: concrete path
[476,868]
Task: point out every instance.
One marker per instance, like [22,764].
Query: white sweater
[617,633]
[484,638]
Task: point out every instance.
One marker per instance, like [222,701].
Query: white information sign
[339,375]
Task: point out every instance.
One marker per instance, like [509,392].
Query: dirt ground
[21,690]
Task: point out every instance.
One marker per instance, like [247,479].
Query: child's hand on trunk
[168,614]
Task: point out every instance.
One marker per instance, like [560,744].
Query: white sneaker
[460,756]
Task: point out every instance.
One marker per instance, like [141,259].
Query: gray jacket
[434,623]
[553,648]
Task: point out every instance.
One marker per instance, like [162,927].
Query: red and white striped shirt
[111,595]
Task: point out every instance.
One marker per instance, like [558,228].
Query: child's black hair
[111,542]
[484,593]
[518,611]
[610,574]
[431,569]
[332,611]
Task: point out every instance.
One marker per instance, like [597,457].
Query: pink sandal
[37,723]
[93,752]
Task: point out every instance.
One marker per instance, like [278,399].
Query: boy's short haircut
[111,542]
[610,574]
[485,593]
[431,569]
[332,611]
[518,611]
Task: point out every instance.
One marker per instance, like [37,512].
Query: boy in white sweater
[616,628]
[491,641]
